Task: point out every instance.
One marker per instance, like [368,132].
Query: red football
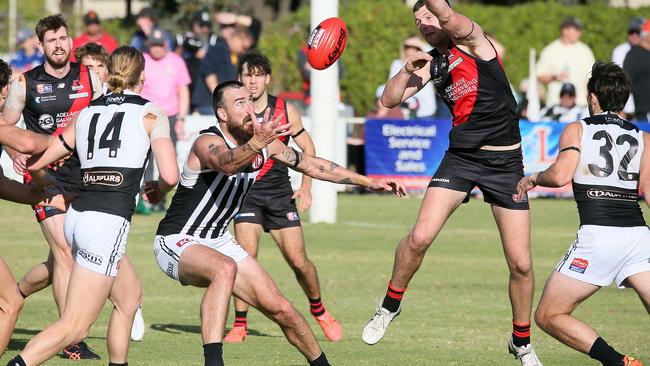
[326,43]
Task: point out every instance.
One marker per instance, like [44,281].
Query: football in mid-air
[326,43]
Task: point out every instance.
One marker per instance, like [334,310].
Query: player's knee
[283,312]
[12,303]
[419,242]
[61,253]
[542,317]
[521,269]
[224,268]
[298,264]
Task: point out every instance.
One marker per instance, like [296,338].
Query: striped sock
[393,298]
[520,334]
[316,307]
[240,319]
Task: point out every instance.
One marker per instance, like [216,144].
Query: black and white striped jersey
[113,147]
[606,181]
[205,201]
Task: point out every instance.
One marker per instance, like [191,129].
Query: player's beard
[57,64]
[240,132]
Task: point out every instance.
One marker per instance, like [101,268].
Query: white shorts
[98,239]
[601,255]
[168,249]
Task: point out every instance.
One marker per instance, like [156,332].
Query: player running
[112,138]
[484,152]
[605,159]
[193,238]
[48,97]
[270,205]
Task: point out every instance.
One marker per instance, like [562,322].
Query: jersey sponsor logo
[460,88]
[182,242]
[46,121]
[257,161]
[439,69]
[61,85]
[245,214]
[47,98]
[455,63]
[44,88]
[579,265]
[103,178]
[78,95]
[63,118]
[293,216]
[443,180]
[115,100]
[90,256]
[600,194]
[170,269]
[76,85]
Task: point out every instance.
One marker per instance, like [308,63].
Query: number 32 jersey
[113,147]
[606,181]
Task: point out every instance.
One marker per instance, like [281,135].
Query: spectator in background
[566,60]
[28,55]
[219,65]
[380,111]
[147,22]
[195,43]
[95,34]
[423,103]
[567,110]
[228,22]
[95,57]
[633,39]
[637,66]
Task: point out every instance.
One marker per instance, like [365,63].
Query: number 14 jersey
[606,181]
[113,147]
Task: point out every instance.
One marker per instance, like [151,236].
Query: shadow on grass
[183,328]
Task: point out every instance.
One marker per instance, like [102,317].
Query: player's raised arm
[408,81]
[15,103]
[322,169]
[562,170]
[461,29]
[305,143]
[213,153]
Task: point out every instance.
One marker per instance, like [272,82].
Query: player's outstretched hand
[523,186]
[151,192]
[304,194]
[268,130]
[417,62]
[394,185]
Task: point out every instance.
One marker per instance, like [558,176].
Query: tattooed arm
[212,153]
[322,169]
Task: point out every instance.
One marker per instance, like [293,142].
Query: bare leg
[38,277]
[514,228]
[562,294]
[438,204]
[126,296]
[640,282]
[292,245]
[201,266]
[247,235]
[255,286]
[11,302]
[88,291]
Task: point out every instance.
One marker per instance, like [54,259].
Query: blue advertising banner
[412,149]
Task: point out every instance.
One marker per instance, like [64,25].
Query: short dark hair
[610,84]
[420,3]
[217,95]
[93,50]
[53,22]
[255,60]
[5,74]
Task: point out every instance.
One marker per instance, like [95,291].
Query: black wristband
[298,133]
[65,144]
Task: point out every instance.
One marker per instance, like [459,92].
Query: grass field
[456,310]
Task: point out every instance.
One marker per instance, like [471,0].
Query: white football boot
[526,354]
[374,331]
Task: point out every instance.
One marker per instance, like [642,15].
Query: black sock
[213,353]
[393,298]
[316,307]
[520,334]
[604,353]
[17,361]
[320,361]
[241,319]
[118,364]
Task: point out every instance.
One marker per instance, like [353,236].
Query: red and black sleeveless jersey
[274,174]
[478,94]
[50,103]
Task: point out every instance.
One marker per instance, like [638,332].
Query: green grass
[456,309]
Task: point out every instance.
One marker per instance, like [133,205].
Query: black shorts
[495,173]
[44,212]
[273,209]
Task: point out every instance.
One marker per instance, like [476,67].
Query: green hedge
[376,28]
